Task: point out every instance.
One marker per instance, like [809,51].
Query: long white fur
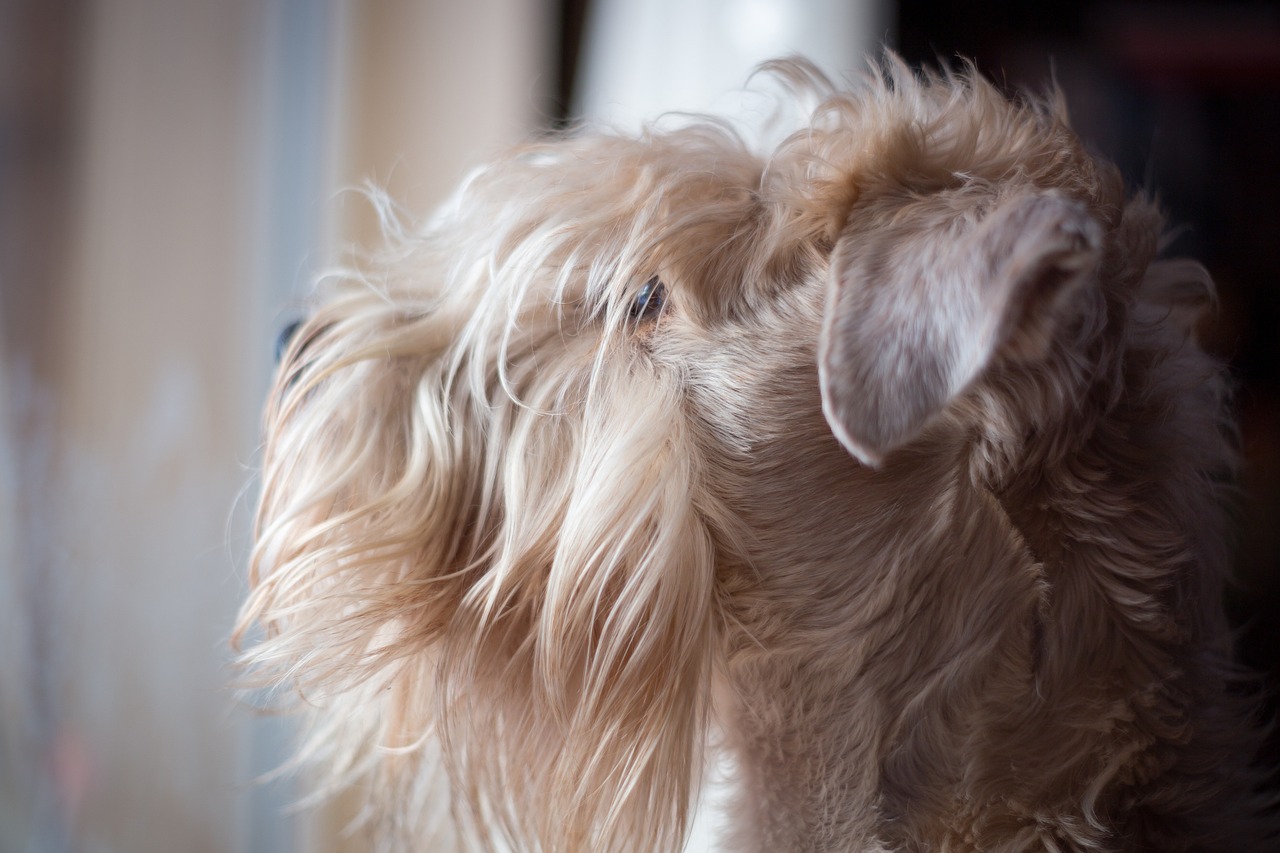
[512,538]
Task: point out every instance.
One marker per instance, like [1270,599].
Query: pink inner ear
[913,318]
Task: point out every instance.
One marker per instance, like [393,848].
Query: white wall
[642,59]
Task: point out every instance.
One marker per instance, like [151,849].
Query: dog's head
[518,472]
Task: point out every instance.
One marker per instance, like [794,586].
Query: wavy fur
[919,465]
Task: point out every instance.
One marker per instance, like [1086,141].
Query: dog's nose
[285,337]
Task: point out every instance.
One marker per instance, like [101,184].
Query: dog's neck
[853,669]
[962,654]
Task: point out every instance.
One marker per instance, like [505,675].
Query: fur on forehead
[577,225]
[900,132]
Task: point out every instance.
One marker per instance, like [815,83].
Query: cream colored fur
[919,472]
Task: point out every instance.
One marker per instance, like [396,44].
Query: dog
[887,456]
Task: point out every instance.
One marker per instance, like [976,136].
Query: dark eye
[649,300]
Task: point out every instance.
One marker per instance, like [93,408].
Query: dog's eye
[649,300]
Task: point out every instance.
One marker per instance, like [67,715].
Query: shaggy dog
[889,456]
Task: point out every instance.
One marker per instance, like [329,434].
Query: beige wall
[136,350]
[152,416]
[133,363]
[432,89]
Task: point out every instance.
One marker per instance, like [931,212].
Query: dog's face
[536,475]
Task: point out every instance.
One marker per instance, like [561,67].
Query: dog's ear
[912,318]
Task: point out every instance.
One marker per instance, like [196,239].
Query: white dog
[892,452]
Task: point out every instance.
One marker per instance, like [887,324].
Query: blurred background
[172,177]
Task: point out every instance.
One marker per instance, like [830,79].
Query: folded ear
[914,316]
